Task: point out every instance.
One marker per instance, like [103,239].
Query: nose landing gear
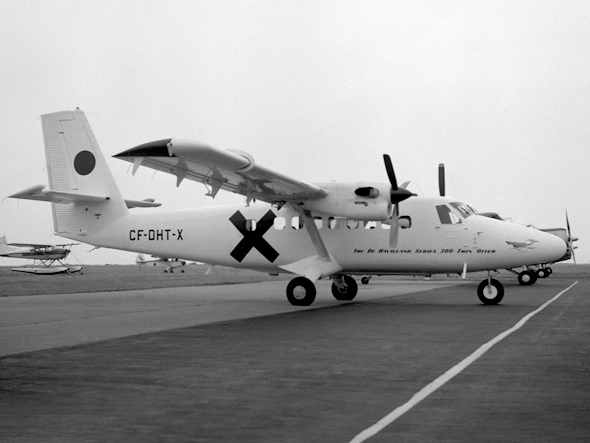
[490,291]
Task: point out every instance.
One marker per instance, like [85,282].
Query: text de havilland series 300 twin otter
[311,230]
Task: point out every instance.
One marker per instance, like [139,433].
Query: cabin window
[250,225]
[297,223]
[319,222]
[352,224]
[279,223]
[405,222]
[370,224]
[334,223]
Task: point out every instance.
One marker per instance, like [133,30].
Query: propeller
[570,239]
[441,179]
[396,194]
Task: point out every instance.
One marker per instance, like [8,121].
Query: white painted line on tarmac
[449,375]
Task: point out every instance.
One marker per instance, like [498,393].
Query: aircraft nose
[553,247]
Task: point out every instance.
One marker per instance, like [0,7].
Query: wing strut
[316,266]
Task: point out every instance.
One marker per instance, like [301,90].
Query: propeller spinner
[397,194]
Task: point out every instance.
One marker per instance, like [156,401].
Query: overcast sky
[497,90]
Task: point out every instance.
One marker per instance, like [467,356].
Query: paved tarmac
[238,363]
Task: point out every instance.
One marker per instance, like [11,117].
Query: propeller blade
[570,239]
[441,179]
[390,172]
[394,227]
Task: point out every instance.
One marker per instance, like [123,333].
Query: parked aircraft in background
[43,256]
[168,263]
[321,230]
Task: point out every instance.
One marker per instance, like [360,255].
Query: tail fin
[4,248]
[84,191]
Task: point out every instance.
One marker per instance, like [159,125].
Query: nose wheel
[490,292]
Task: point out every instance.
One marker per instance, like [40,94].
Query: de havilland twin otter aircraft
[314,231]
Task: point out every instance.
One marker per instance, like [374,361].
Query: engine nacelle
[357,201]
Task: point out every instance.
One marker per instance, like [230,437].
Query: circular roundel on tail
[84,162]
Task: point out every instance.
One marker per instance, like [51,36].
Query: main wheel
[491,294]
[542,273]
[348,292]
[301,291]
[527,278]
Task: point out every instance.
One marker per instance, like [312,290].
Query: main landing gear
[529,276]
[301,291]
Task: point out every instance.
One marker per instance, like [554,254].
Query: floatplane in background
[43,256]
[311,230]
[169,264]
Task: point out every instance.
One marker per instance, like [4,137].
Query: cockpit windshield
[455,213]
[463,209]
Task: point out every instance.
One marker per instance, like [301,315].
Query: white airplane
[321,230]
[46,255]
[168,263]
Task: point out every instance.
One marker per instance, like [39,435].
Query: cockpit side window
[446,216]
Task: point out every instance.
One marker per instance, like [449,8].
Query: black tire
[365,280]
[492,297]
[349,292]
[527,278]
[542,273]
[301,291]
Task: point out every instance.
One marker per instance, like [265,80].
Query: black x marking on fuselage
[253,239]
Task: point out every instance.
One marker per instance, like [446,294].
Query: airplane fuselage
[265,238]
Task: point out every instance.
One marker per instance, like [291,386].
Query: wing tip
[158,148]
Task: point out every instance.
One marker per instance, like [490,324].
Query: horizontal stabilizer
[39,193]
[148,203]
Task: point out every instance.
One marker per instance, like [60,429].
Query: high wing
[35,246]
[230,170]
